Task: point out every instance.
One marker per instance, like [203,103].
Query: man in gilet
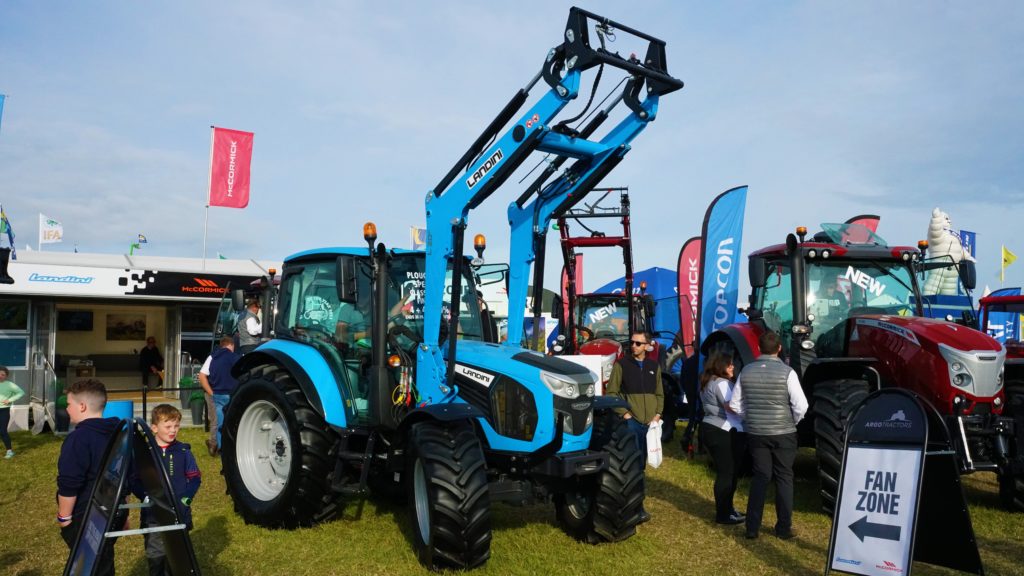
[637,380]
[249,327]
[771,402]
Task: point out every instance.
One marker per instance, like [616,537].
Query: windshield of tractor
[603,316]
[775,300]
[406,294]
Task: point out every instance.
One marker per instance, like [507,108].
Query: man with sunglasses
[637,380]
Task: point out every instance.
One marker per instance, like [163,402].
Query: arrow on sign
[864,529]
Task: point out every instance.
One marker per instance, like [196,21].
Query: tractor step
[353,460]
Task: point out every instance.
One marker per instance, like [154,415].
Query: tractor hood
[929,330]
[489,375]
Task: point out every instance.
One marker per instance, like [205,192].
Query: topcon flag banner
[230,157]
[722,236]
[50,230]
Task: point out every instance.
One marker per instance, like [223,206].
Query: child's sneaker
[10,454]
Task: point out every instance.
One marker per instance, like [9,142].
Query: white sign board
[875,522]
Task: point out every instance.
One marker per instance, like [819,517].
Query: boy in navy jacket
[184,475]
[80,459]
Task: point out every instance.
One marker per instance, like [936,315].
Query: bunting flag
[142,239]
[50,230]
[1008,258]
[5,226]
[230,160]
[721,238]
[419,238]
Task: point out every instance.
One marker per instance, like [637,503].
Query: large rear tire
[1011,487]
[834,402]
[606,506]
[451,506]
[277,453]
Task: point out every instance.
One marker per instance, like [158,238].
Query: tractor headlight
[957,362]
[564,387]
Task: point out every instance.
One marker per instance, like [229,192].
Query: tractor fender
[742,337]
[328,404]
[857,368]
[602,403]
[448,412]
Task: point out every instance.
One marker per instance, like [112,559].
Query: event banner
[688,271]
[1004,325]
[721,238]
[230,158]
[50,230]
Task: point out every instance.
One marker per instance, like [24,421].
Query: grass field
[374,538]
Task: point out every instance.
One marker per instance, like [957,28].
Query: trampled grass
[374,537]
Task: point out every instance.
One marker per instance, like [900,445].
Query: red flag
[230,157]
[688,271]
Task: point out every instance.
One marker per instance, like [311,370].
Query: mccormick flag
[1008,258]
[230,157]
[50,230]
[688,271]
[5,226]
[721,238]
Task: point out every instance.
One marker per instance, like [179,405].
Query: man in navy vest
[771,402]
[216,379]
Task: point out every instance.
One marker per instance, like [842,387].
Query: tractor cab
[606,317]
[811,289]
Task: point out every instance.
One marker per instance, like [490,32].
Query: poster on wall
[121,326]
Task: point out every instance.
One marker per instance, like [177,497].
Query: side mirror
[346,282]
[968,274]
[758,272]
[557,307]
[238,300]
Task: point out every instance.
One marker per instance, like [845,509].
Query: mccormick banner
[50,230]
[721,237]
[230,157]
[688,271]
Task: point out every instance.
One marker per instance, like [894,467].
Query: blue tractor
[384,374]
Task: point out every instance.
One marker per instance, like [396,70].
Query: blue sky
[824,109]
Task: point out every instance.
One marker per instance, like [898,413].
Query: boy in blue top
[80,459]
[185,478]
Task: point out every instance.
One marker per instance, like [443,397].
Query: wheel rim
[578,504]
[419,486]
[263,450]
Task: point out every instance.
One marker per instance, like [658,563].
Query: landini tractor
[850,311]
[380,376]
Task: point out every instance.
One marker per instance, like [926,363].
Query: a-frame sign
[900,497]
[131,449]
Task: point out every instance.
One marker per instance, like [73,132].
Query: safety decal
[889,327]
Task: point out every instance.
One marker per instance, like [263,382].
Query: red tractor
[852,318]
[1010,304]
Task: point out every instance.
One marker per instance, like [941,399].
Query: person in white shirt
[769,399]
[250,328]
[722,431]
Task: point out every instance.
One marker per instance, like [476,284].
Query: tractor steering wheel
[586,332]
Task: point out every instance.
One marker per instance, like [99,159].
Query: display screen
[74,320]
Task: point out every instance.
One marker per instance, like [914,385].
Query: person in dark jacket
[151,364]
[769,399]
[81,457]
[637,380]
[183,472]
[216,379]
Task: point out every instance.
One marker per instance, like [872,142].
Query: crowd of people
[751,415]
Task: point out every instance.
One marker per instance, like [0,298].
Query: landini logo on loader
[485,168]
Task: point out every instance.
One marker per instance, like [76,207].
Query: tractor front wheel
[451,508]
[605,507]
[834,402]
[277,453]
[1011,486]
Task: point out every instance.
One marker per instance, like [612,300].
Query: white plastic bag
[654,444]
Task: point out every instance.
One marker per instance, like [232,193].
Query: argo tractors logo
[203,286]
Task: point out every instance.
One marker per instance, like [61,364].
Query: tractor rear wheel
[277,453]
[1011,487]
[834,402]
[606,506]
[451,506]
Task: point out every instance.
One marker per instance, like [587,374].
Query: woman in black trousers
[723,434]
